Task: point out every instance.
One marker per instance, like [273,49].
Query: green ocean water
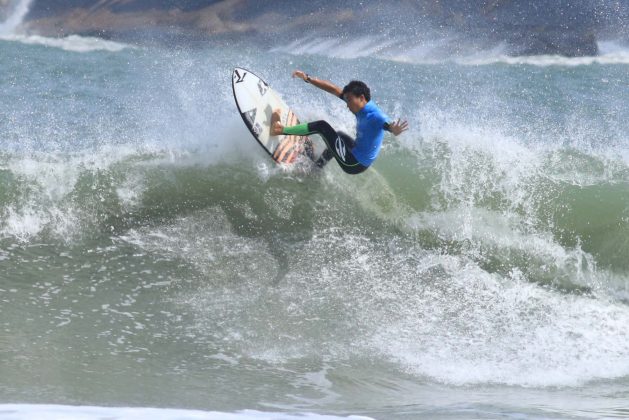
[152,255]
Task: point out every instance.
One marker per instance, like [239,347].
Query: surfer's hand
[300,74]
[397,127]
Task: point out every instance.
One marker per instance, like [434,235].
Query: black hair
[357,88]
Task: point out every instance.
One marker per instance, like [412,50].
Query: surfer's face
[354,103]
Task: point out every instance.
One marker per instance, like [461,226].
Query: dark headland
[564,27]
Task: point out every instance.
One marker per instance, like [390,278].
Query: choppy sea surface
[152,256]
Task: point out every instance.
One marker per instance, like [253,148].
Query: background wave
[74,43]
[444,49]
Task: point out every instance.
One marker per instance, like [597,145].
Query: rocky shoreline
[551,27]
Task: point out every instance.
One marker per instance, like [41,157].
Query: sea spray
[17,10]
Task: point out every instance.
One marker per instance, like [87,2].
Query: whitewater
[153,257]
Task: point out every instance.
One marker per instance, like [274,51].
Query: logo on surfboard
[251,115]
[257,129]
[239,78]
[262,87]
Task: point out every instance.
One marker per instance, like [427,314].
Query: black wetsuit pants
[339,144]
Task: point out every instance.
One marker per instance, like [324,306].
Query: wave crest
[74,43]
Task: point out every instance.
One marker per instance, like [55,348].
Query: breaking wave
[444,50]
[74,43]
[486,246]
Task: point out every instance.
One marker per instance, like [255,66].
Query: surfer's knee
[320,125]
[325,129]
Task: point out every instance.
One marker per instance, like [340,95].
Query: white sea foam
[50,180]
[485,328]
[74,43]
[364,46]
[19,10]
[439,316]
[619,57]
[23,224]
[440,51]
[9,31]
[67,412]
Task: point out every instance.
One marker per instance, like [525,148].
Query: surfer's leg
[298,130]
[350,165]
[349,140]
[339,144]
[328,155]
[340,147]
[317,127]
[325,157]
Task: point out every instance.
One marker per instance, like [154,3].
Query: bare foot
[276,125]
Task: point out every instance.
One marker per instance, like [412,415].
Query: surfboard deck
[256,101]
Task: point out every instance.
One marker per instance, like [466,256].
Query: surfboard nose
[238,75]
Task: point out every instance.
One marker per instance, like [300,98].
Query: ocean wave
[16,16]
[442,51]
[140,221]
[489,328]
[439,314]
[548,60]
[514,205]
[74,43]
[53,412]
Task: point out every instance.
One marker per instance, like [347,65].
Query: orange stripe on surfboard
[286,151]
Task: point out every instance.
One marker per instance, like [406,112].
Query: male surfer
[354,156]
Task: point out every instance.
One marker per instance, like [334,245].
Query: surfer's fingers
[401,123]
[400,126]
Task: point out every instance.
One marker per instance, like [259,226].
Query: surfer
[354,156]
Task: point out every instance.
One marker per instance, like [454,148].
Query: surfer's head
[356,95]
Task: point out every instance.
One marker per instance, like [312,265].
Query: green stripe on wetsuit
[328,134]
[297,130]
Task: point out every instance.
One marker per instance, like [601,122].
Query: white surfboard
[256,101]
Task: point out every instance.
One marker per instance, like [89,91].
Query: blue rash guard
[354,156]
[370,123]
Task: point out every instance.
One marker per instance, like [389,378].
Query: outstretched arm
[321,84]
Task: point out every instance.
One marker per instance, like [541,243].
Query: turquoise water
[151,255]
